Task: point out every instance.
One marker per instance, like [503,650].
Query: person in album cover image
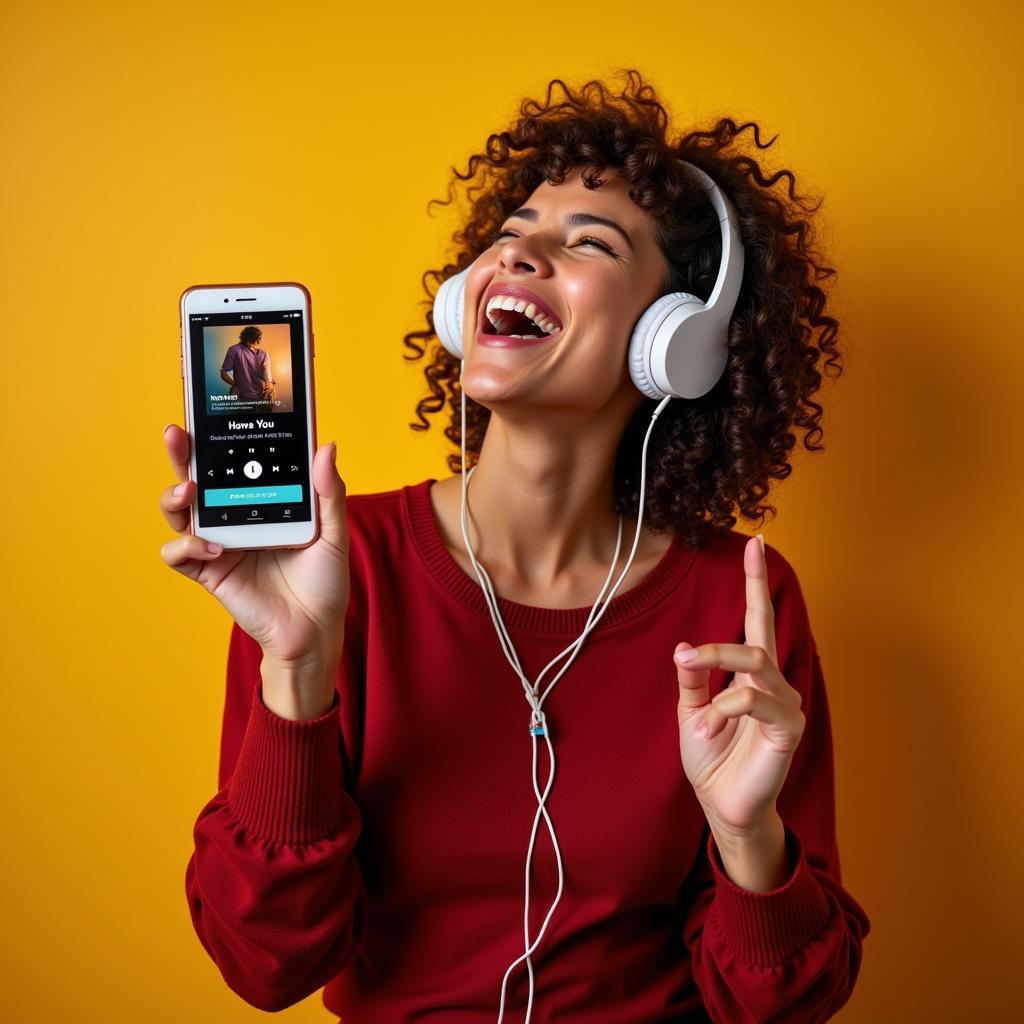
[249,368]
[548,737]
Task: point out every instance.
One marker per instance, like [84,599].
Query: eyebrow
[527,213]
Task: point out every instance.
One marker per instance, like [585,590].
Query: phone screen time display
[249,403]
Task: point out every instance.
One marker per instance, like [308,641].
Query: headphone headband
[730,270]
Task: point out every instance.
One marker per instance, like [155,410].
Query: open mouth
[516,318]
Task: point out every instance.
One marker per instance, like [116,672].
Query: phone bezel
[275,295]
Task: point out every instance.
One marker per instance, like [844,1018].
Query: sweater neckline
[665,575]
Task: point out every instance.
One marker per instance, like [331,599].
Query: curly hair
[708,455]
[250,333]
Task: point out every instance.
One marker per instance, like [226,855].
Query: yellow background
[148,148]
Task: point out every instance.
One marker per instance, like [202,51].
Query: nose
[527,254]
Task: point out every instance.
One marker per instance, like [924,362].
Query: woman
[375,810]
[249,367]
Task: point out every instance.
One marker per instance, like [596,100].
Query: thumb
[331,491]
[694,691]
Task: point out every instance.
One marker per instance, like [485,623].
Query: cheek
[601,309]
[595,349]
[476,281]
[481,271]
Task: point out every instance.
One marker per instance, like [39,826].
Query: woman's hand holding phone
[291,602]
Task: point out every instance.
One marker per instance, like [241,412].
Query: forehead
[612,195]
[609,200]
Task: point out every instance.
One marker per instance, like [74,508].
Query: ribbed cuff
[767,929]
[287,783]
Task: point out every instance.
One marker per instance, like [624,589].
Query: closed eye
[584,240]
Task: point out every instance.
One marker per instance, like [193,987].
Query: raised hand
[737,748]
[292,602]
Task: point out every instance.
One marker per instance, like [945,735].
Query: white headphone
[678,348]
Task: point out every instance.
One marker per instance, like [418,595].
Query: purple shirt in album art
[249,366]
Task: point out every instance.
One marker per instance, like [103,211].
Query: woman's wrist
[299,690]
[759,861]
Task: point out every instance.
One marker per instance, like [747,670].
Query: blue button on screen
[288,494]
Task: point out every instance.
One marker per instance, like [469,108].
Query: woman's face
[596,283]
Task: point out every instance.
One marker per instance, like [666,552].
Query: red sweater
[380,850]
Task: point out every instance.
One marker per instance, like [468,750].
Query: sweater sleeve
[790,955]
[274,887]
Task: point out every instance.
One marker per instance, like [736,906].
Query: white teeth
[520,306]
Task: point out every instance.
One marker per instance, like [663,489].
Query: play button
[252,470]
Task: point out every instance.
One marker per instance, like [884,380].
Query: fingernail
[690,655]
[168,427]
[179,490]
[334,453]
[214,548]
[760,538]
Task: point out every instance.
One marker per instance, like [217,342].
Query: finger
[784,723]
[693,682]
[759,624]
[753,661]
[189,553]
[175,500]
[177,442]
[331,491]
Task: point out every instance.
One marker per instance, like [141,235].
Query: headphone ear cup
[449,304]
[678,348]
[641,345]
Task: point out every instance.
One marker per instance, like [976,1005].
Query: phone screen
[249,417]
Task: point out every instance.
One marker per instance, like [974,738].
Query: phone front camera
[225,300]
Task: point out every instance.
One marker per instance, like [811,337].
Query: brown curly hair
[718,451]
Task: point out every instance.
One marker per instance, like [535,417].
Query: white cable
[538,720]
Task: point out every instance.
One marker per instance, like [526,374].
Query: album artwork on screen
[248,369]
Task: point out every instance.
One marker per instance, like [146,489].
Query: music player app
[249,402]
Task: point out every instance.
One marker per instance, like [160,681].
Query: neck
[540,502]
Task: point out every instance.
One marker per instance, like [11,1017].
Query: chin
[486,383]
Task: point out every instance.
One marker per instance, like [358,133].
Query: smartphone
[247,387]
